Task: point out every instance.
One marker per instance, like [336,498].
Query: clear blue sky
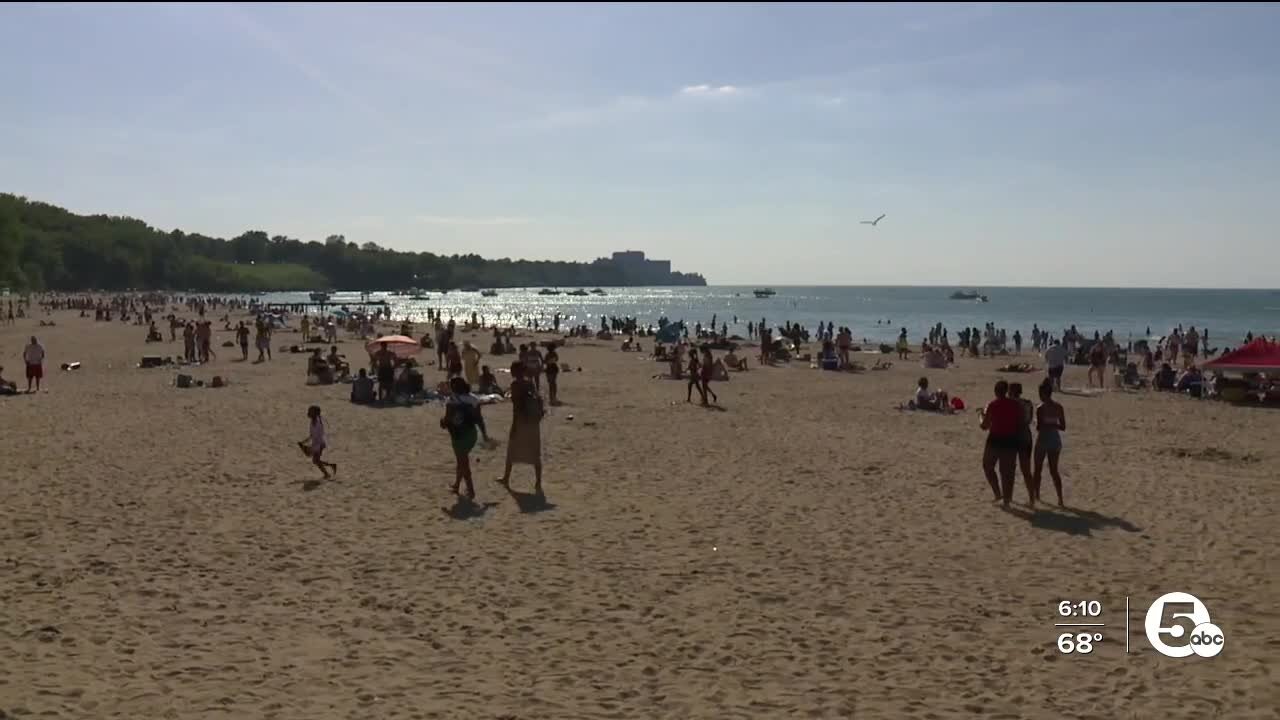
[1027,144]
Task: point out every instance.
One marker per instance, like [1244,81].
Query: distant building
[636,269]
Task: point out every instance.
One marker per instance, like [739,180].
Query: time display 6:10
[1078,608]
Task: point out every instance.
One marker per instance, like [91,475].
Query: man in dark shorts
[33,356]
[385,362]
[1055,358]
[1002,420]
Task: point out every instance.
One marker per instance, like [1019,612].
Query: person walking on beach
[33,355]
[1098,364]
[552,370]
[695,378]
[454,360]
[706,366]
[1051,422]
[263,340]
[1055,359]
[524,445]
[462,419]
[242,338]
[316,442]
[1000,419]
[1025,441]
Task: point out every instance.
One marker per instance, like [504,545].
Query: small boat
[598,291]
[579,293]
[319,296]
[547,291]
[765,293]
[471,288]
[968,295]
[489,293]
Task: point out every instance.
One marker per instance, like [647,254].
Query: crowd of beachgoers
[1020,433]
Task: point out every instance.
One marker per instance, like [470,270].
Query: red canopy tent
[1259,356]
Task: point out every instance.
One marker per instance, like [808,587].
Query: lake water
[875,313]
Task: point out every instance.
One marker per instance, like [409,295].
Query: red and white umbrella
[402,346]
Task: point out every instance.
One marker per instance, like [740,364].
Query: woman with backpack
[462,419]
[524,445]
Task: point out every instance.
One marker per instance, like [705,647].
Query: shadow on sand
[529,502]
[1072,521]
[465,508]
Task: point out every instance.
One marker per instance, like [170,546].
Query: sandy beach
[808,551]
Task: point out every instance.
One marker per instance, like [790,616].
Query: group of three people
[1007,420]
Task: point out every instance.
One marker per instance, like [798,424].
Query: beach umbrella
[402,346]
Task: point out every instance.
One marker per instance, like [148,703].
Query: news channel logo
[1181,618]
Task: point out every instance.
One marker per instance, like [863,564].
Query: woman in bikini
[1051,422]
[1025,443]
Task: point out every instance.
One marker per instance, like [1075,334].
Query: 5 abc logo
[1181,618]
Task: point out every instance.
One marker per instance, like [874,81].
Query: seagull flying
[873,223]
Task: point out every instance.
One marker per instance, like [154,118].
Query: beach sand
[808,551]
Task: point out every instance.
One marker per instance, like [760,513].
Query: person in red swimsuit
[1001,419]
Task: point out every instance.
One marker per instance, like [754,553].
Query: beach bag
[957,404]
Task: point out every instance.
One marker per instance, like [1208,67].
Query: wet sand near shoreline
[804,550]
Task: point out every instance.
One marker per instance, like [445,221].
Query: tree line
[45,247]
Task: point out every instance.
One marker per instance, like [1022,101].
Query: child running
[314,446]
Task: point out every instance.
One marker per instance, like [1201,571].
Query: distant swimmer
[873,223]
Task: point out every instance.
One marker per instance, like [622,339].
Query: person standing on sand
[384,361]
[1051,422]
[316,442]
[533,366]
[471,363]
[1025,441]
[1055,359]
[552,370]
[33,356]
[1098,364]
[524,445]
[1000,419]
[242,338]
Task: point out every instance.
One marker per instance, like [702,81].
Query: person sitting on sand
[6,387]
[153,334]
[362,392]
[628,343]
[489,383]
[1165,378]
[733,362]
[934,359]
[319,369]
[926,399]
[1190,378]
[660,352]
[338,363]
